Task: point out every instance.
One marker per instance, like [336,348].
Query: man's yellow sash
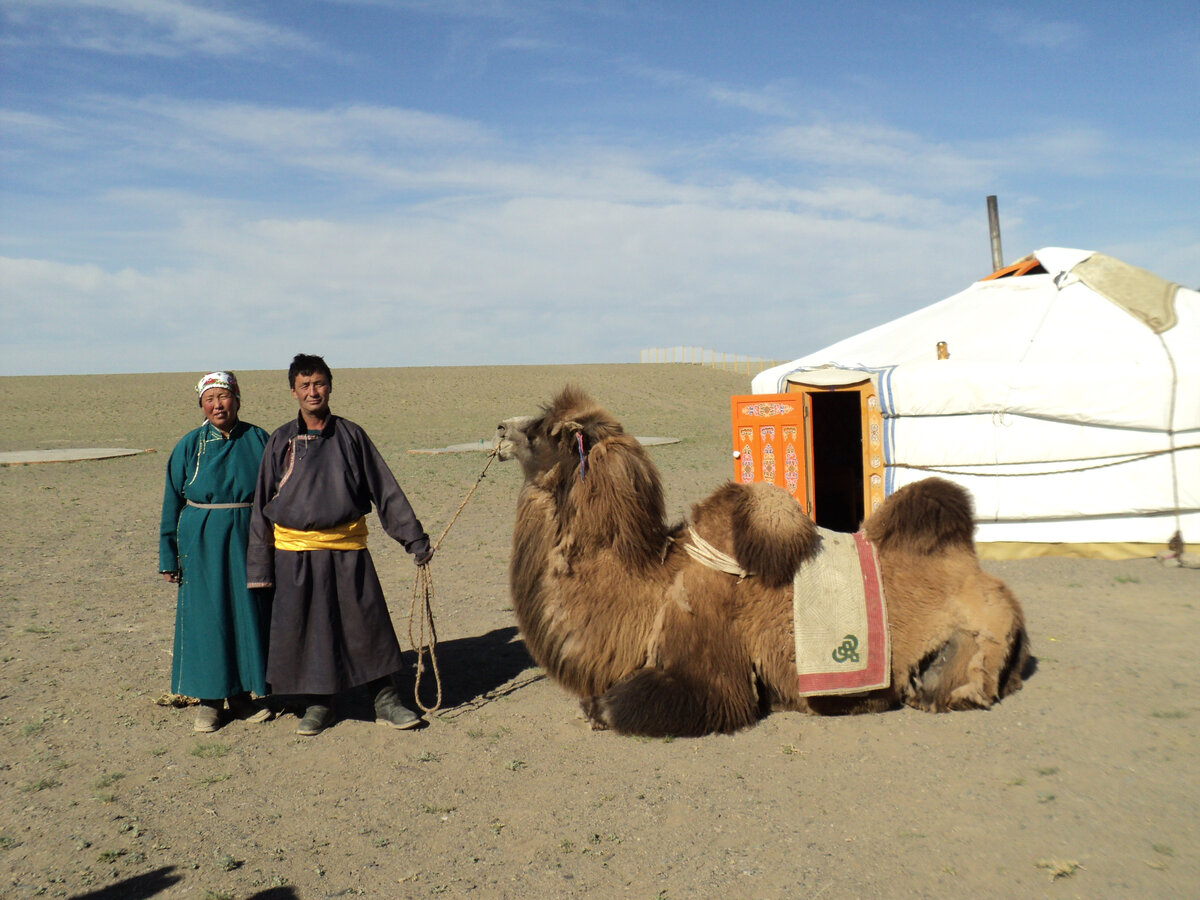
[351,536]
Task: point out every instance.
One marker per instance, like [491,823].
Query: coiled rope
[420,611]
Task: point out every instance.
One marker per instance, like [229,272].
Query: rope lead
[426,640]
[427,634]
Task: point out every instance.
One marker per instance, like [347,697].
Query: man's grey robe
[330,628]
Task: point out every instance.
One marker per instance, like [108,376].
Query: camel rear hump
[928,516]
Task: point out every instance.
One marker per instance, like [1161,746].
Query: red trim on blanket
[876,673]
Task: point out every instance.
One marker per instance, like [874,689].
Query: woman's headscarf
[226,380]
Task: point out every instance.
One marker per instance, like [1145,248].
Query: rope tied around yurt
[952,469]
[422,594]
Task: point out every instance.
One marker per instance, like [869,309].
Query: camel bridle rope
[420,611]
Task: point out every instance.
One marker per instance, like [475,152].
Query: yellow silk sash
[351,536]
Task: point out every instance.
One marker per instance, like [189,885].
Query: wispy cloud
[1026,30]
[403,150]
[163,28]
[890,155]
[776,100]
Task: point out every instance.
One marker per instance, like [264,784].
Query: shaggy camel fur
[655,643]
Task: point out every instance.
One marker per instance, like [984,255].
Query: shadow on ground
[472,671]
[138,887]
[146,885]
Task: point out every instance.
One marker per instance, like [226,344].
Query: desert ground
[1086,784]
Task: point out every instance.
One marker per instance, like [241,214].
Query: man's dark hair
[307,364]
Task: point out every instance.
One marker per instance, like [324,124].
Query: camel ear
[578,435]
[596,431]
[570,427]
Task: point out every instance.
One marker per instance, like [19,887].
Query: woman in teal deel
[221,626]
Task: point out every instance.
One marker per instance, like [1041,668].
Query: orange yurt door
[771,443]
[821,443]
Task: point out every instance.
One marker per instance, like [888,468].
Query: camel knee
[655,702]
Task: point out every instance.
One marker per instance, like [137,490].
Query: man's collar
[302,426]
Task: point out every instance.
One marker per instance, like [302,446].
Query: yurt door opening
[821,443]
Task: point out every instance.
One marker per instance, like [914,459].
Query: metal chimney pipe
[994,232]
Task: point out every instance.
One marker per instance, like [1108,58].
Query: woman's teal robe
[221,626]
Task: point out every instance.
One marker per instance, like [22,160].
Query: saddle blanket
[843,645]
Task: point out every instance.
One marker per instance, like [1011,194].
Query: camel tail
[929,516]
[1020,663]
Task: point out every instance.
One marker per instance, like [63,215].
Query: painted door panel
[771,443]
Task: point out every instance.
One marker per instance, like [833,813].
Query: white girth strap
[708,555]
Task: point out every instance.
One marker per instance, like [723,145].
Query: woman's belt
[219,505]
[351,536]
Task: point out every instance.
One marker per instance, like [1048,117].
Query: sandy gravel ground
[1085,784]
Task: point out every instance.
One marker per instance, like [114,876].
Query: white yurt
[1063,392]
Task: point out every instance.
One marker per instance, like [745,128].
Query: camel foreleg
[658,702]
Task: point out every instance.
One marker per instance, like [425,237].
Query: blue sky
[217,184]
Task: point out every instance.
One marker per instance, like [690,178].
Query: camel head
[511,442]
[602,486]
[566,431]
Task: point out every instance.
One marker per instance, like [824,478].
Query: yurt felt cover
[1072,417]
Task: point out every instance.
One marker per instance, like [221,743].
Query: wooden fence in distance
[702,356]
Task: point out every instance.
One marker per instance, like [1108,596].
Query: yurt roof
[1079,336]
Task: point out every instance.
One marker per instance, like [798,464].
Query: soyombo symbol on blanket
[839,610]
